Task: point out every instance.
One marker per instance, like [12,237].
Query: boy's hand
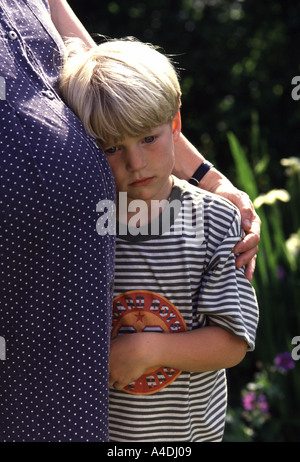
[130,357]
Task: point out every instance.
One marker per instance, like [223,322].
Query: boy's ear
[176,127]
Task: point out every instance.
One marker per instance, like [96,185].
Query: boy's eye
[111,150]
[149,139]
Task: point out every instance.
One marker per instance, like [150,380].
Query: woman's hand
[247,248]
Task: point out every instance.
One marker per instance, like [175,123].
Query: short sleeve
[226,297]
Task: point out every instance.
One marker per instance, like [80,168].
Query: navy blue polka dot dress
[56,271]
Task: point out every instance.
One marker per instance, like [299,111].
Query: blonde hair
[120,87]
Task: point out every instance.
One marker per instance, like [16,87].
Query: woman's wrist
[212,180]
[188,160]
[200,173]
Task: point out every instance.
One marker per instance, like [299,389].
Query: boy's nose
[135,159]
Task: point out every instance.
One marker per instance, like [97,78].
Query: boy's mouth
[142,182]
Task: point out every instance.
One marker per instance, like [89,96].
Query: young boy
[187,311]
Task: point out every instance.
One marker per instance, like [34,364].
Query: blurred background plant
[265,414]
[270,402]
[237,61]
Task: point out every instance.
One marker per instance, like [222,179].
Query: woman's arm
[187,161]
[67,23]
[199,350]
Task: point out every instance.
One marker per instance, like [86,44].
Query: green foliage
[277,283]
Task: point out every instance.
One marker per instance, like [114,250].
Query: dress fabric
[56,270]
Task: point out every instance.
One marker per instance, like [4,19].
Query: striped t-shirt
[175,280]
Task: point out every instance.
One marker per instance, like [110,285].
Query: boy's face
[142,166]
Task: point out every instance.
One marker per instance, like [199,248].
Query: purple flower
[281,273]
[262,404]
[252,402]
[249,401]
[284,362]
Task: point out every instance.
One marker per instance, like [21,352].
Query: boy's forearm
[67,23]
[206,349]
[200,350]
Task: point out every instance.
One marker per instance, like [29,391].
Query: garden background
[239,62]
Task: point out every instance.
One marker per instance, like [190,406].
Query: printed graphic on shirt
[146,311]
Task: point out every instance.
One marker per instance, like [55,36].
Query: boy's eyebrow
[146,132]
